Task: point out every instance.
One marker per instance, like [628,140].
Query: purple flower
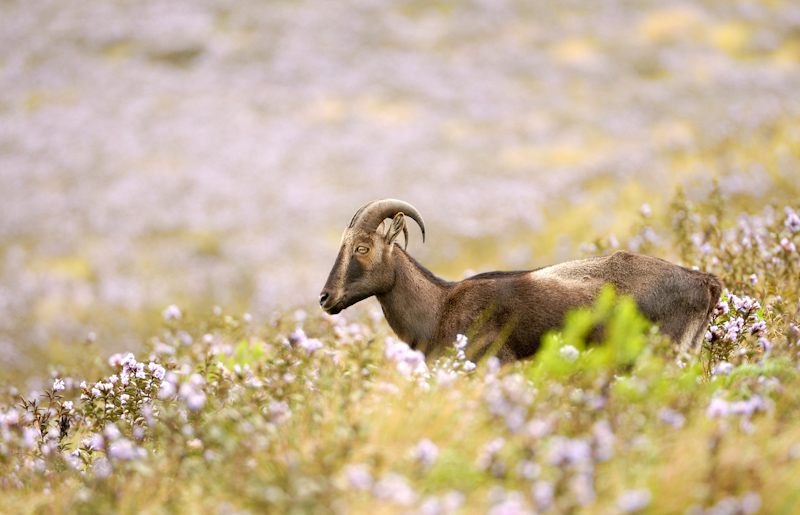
[426,452]
[671,418]
[310,345]
[543,493]
[718,408]
[723,367]
[792,221]
[279,412]
[569,451]
[125,450]
[58,385]
[358,476]
[192,393]
[395,488]
[529,469]
[634,500]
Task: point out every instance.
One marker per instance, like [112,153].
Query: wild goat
[514,308]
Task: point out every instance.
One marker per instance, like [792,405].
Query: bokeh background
[211,152]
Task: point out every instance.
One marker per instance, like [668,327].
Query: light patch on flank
[688,340]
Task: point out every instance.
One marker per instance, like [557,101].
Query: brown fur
[513,309]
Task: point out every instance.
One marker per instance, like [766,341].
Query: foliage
[329,414]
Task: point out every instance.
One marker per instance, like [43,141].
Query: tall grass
[331,414]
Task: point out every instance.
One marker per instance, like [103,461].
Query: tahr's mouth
[330,305]
[333,310]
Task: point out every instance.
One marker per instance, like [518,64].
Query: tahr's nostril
[322,298]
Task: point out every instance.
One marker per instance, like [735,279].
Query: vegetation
[202,154]
[331,414]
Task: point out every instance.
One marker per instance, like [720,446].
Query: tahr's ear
[398,225]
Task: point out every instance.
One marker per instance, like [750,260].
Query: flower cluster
[123,396]
[410,363]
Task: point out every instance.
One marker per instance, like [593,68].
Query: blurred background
[211,152]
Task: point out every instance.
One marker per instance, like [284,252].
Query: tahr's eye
[361,249]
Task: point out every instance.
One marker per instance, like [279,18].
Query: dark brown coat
[514,309]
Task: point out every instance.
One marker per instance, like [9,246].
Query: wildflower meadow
[174,180]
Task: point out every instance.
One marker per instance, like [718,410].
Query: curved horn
[373,213]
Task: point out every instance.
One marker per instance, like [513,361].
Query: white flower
[172,313]
[569,353]
[58,385]
[469,365]
[461,341]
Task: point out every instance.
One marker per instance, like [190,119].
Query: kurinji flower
[792,221]
[29,437]
[191,392]
[395,488]
[102,468]
[569,353]
[671,417]
[605,439]
[582,486]
[409,362]
[172,312]
[718,408]
[446,378]
[426,452]
[358,476]
[125,450]
[569,451]
[58,385]
[529,469]
[297,337]
[513,504]
[158,371]
[543,493]
[723,367]
[310,345]
[634,500]
[748,407]
[279,412]
[489,451]
[750,503]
